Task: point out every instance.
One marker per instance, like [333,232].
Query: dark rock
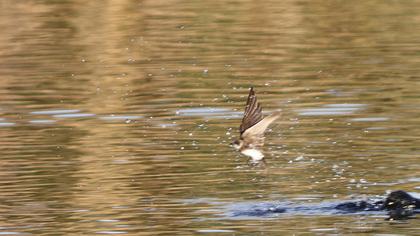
[401,205]
[398,205]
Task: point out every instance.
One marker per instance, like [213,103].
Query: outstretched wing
[254,136]
[252,114]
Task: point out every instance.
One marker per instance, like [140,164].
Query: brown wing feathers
[253,112]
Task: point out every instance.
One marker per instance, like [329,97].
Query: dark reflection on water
[111,113]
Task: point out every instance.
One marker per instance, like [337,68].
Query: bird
[252,128]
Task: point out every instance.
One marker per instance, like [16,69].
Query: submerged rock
[401,205]
[397,205]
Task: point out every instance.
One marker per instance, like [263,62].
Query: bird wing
[252,114]
[254,136]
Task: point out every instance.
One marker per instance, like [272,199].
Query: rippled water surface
[116,116]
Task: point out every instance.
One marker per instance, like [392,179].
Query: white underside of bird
[255,154]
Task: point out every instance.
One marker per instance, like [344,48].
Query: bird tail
[259,128]
[271,118]
[275,115]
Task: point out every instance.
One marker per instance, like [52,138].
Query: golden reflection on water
[114,113]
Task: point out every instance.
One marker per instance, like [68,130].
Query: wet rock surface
[398,205]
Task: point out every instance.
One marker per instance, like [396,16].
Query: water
[115,117]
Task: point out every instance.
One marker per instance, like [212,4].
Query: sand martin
[252,129]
